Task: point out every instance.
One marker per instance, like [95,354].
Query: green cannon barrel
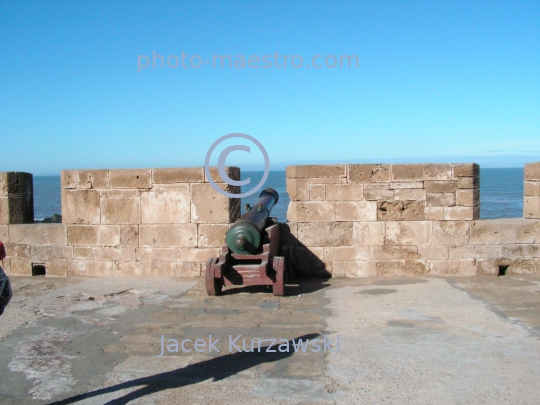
[244,237]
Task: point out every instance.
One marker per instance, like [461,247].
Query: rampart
[344,220]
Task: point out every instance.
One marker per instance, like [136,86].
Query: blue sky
[437,81]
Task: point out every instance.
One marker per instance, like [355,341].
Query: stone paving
[401,341]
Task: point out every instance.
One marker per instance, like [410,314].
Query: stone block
[406,194]
[400,211]
[441,200]
[232,172]
[297,189]
[53,252]
[120,192]
[120,210]
[416,267]
[179,235]
[369,173]
[531,188]
[451,233]
[465,170]
[129,236]
[356,211]
[157,254]
[80,207]
[469,182]
[434,186]
[18,250]
[461,213]
[211,235]
[524,266]
[4,231]
[160,269]
[368,233]
[468,197]
[325,234]
[354,269]
[311,211]
[452,267]
[166,207]
[4,210]
[311,171]
[532,171]
[68,179]
[434,213]
[408,233]
[38,234]
[502,231]
[344,192]
[487,267]
[317,192]
[93,235]
[395,253]
[339,253]
[289,234]
[377,186]
[16,198]
[474,252]
[517,251]
[531,207]
[189,269]
[130,178]
[408,172]
[91,268]
[178,175]
[56,267]
[131,269]
[437,172]
[406,185]
[209,206]
[92,179]
[434,252]
[198,254]
[115,254]
[20,266]
[326,180]
[378,194]
[391,268]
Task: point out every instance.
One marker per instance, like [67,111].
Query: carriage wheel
[279,267]
[213,284]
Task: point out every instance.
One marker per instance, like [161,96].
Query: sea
[501,193]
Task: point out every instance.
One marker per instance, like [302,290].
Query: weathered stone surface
[80,207]
[325,234]
[317,192]
[130,178]
[434,186]
[211,235]
[465,170]
[297,189]
[354,268]
[129,235]
[56,267]
[53,252]
[344,192]
[339,253]
[524,266]
[68,179]
[468,197]
[311,211]
[474,252]
[405,194]
[437,172]
[378,195]
[400,211]
[4,233]
[377,186]
[157,254]
[434,252]
[452,267]
[395,252]
[441,200]
[120,210]
[501,231]
[92,178]
[159,268]
[179,235]
[451,233]
[166,207]
[120,192]
[531,188]
[434,213]
[93,235]
[189,269]
[469,182]
[130,269]
[4,210]
[461,213]
[516,251]
[532,171]
[391,268]
[531,207]
[368,233]
[20,266]
[407,185]
[198,255]
[484,267]
[356,211]
[209,206]
[178,175]
[116,254]
[304,171]
[408,233]
[91,268]
[407,172]
[369,173]
[38,234]
[18,250]
[232,172]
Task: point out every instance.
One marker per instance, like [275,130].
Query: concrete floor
[401,341]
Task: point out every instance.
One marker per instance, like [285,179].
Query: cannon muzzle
[244,237]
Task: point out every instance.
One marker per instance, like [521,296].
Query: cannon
[252,254]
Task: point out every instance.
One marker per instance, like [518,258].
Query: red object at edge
[2,251]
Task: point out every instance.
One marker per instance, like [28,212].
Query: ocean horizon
[501,193]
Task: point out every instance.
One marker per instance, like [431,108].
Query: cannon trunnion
[253,254]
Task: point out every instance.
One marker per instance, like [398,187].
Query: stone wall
[127,222]
[366,220]
[531,191]
[16,198]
